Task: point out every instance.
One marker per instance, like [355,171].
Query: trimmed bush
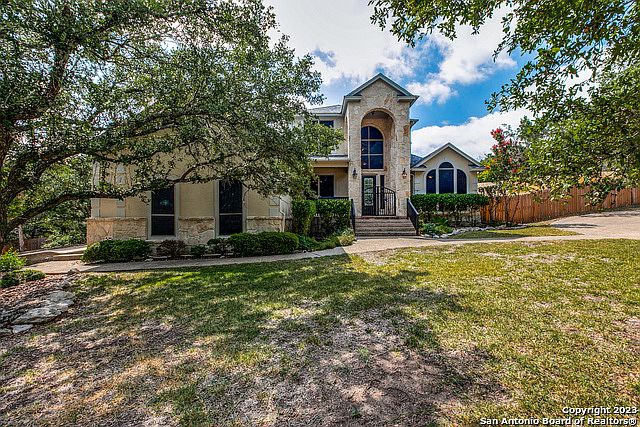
[198,251]
[218,245]
[117,251]
[171,248]
[10,261]
[302,213]
[14,278]
[265,243]
[448,204]
[334,215]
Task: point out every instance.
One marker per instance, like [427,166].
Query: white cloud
[466,59]
[472,137]
[433,90]
[344,28]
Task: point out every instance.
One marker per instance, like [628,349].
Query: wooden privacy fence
[526,208]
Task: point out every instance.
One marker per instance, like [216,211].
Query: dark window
[163,212]
[431,181]
[372,148]
[446,165]
[230,210]
[327,123]
[462,182]
[446,180]
[326,186]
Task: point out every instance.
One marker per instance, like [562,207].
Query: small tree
[505,170]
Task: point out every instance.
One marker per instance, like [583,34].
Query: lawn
[535,230]
[431,336]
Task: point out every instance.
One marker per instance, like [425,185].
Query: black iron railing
[352,214]
[378,201]
[412,214]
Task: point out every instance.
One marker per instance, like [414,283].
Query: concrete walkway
[606,225]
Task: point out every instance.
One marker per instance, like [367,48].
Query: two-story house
[373,167]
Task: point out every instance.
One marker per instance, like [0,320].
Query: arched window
[431,182]
[445,177]
[462,182]
[372,144]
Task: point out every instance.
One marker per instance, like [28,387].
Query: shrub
[431,229]
[117,251]
[171,248]
[218,245]
[14,278]
[198,251]
[455,204]
[346,237]
[334,215]
[302,213]
[244,244]
[271,242]
[10,261]
[265,243]
[307,243]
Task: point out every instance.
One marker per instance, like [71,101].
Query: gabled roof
[401,91]
[356,95]
[448,145]
[415,159]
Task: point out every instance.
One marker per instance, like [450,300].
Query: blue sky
[453,78]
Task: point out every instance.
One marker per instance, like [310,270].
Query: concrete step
[385,233]
[61,254]
[384,227]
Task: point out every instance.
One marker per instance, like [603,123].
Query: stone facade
[115,228]
[196,230]
[256,224]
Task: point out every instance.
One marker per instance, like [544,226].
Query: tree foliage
[561,40]
[596,146]
[150,87]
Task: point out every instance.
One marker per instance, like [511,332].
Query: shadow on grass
[322,341]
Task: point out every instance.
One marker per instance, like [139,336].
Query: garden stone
[60,296]
[38,315]
[21,328]
[5,331]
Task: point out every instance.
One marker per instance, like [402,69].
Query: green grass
[529,231]
[459,332]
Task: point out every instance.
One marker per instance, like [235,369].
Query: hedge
[448,202]
[117,251]
[265,243]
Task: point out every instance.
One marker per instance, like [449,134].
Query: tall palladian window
[445,175]
[372,148]
[442,180]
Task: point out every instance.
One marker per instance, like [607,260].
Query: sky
[452,77]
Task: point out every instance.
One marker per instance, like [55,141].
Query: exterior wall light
[355,173]
[404,173]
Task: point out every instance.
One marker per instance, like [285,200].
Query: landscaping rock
[21,328]
[5,331]
[38,315]
[60,296]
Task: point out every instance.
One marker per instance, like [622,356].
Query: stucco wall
[340,179]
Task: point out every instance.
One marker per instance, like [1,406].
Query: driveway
[623,224]
[605,225]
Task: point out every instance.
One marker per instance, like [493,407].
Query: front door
[368,195]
